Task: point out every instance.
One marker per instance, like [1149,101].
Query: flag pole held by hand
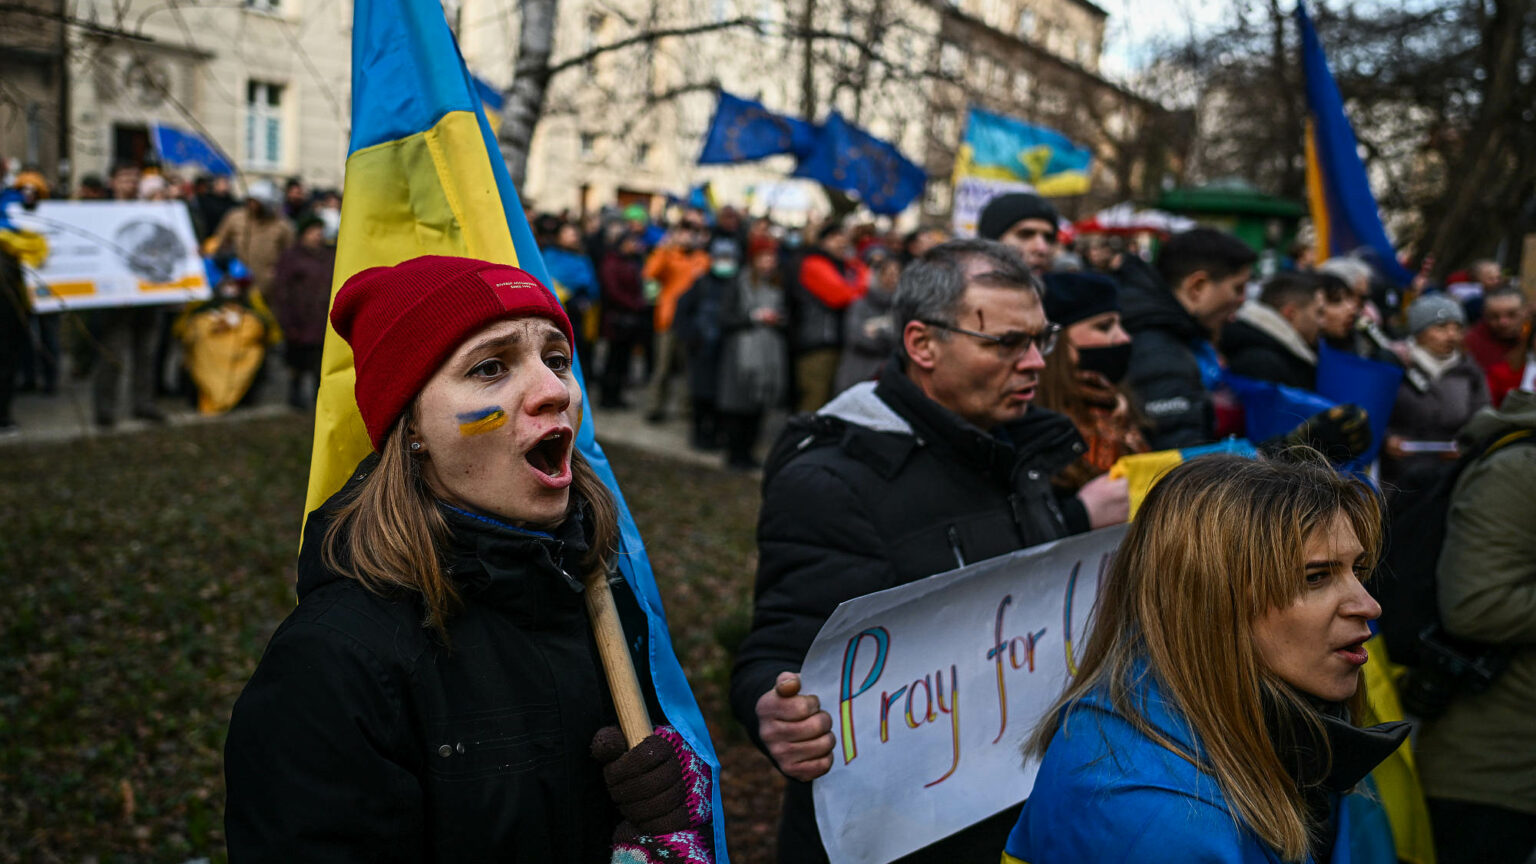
[623,684]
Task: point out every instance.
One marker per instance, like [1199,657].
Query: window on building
[264,5]
[264,124]
[588,143]
[1084,52]
[1026,23]
[951,61]
[1021,86]
[642,153]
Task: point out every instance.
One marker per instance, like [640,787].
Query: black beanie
[1005,211]
[1071,297]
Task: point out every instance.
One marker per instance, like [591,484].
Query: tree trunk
[530,82]
[1481,200]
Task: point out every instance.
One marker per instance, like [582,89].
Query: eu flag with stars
[180,147]
[848,158]
[743,130]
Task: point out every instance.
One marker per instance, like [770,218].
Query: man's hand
[1107,501]
[797,732]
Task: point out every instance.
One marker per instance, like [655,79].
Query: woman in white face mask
[1082,375]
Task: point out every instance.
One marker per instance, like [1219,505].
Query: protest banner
[934,686]
[113,253]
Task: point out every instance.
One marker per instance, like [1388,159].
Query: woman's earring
[415,446]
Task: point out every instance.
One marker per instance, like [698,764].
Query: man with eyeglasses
[1024,221]
[940,463]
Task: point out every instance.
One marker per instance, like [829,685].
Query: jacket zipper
[954,546]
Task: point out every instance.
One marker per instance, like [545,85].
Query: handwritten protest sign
[113,253]
[933,687]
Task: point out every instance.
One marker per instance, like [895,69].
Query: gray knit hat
[1432,309]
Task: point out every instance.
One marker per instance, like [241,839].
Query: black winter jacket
[360,737]
[905,489]
[1164,374]
[1252,353]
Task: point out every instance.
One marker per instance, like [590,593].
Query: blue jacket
[1108,793]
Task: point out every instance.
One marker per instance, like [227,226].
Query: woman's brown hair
[1218,542]
[390,534]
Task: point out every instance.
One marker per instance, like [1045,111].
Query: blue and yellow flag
[997,147]
[1344,212]
[425,177]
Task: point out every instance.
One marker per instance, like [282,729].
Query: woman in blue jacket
[1210,716]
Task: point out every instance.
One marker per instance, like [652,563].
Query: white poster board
[934,686]
[113,253]
[971,197]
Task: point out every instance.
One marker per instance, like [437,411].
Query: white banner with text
[934,686]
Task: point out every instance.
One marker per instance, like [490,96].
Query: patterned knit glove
[663,791]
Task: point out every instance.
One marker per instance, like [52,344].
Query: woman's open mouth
[550,459]
[1354,653]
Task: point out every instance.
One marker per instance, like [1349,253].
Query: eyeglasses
[1015,342]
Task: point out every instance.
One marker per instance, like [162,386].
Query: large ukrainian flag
[425,177]
[1344,212]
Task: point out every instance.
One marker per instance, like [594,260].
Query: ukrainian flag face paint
[482,421]
[499,422]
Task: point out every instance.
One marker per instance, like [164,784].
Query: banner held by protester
[933,687]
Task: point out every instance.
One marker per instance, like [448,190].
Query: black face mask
[1110,361]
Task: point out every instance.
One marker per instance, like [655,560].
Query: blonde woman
[1210,717]
[437,695]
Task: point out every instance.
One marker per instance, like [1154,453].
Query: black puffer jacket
[1255,346]
[902,489]
[1164,374]
[361,738]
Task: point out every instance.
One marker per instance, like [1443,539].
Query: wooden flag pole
[623,684]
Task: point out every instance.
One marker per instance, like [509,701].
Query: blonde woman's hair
[1219,542]
[390,534]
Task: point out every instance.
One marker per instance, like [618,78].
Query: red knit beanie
[404,321]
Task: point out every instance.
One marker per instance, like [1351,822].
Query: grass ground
[143,574]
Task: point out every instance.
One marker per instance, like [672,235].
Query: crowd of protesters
[955,400]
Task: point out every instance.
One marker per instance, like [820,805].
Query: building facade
[33,95]
[267,81]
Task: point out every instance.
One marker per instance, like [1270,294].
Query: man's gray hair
[931,288]
[1351,270]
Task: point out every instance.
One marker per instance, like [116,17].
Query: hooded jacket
[1263,346]
[1106,791]
[1483,748]
[1164,373]
[899,489]
[362,737]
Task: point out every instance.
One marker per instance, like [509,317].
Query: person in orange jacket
[831,278]
[679,260]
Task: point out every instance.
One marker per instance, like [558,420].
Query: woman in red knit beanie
[437,694]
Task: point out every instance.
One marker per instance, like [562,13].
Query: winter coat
[754,364]
[1164,372]
[676,268]
[696,326]
[362,737]
[869,337]
[1483,748]
[901,489]
[1263,346]
[1493,355]
[626,315]
[1435,413]
[1107,792]
[259,243]
[825,287]
[300,296]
